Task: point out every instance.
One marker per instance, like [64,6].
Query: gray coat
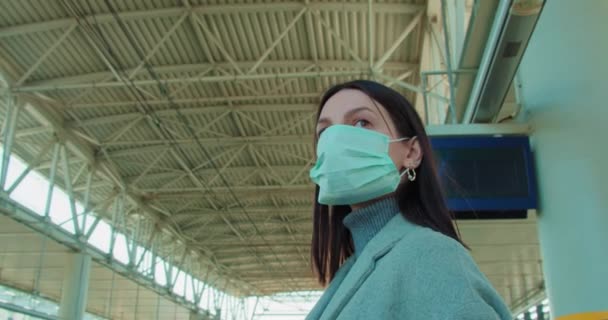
[410,272]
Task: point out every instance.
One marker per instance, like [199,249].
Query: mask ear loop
[403,139]
[411,173]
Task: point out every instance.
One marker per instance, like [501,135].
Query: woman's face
[354,108]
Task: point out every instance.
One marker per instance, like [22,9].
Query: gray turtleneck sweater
[401,270]
[366,222]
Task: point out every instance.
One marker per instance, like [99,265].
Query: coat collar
[356,271]
[318,309]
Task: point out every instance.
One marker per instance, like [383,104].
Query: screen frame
[493,203]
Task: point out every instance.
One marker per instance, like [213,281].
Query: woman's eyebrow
[350,113]
[323,121]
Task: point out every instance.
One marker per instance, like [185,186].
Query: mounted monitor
[486,177]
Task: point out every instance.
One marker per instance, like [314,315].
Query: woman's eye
[362,123]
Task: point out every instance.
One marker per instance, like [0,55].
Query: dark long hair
[421,201]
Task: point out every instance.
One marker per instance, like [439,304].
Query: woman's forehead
[346,100]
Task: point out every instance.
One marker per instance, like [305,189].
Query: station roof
[199,117]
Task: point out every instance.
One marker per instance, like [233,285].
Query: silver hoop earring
[411,174]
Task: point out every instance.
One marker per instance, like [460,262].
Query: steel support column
[75,287]
[8,137]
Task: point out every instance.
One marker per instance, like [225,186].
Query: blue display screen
[486,173]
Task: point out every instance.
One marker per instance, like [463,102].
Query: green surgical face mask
[353,166]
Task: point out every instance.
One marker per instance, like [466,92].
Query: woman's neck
[362,205]
[364,223]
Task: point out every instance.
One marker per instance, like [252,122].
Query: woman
[383,237]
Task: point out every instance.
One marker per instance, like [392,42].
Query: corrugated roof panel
[101,115]
[99,96]
[187,38]
[247,30]
[25,121]
[30,12]
[18,53]
[120,44]
[275,105]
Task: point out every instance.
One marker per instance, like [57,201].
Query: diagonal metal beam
[312,43]
[195,169]
[86,203]
[206,67]
[305,168]
[243,173]
[149,167]
[132,72]
[277,41]
[81,149]
[187,85]
[43,152]
[400,77]
[116,135]
[210,35]
[70,192]
[86,92]
[26,132]
[261,211]
[217,107]
[79,173]
[46,54]
[197,31]
[51,187]
[221,171]
[279,130]
[226,220]
[8,136]
[209,110]
[159,44]
[185,193]
[256,123]
[152,146]
[178,158]
[236,80]
[371,44]
[211,123]
[208,9]
[187,169]
[226,77]
[404,34]
[403,84]
[113,69]
[287,224]
[335,35]
[257,232]
[74,242]
[287,82]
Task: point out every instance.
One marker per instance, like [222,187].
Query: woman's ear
[414,154]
